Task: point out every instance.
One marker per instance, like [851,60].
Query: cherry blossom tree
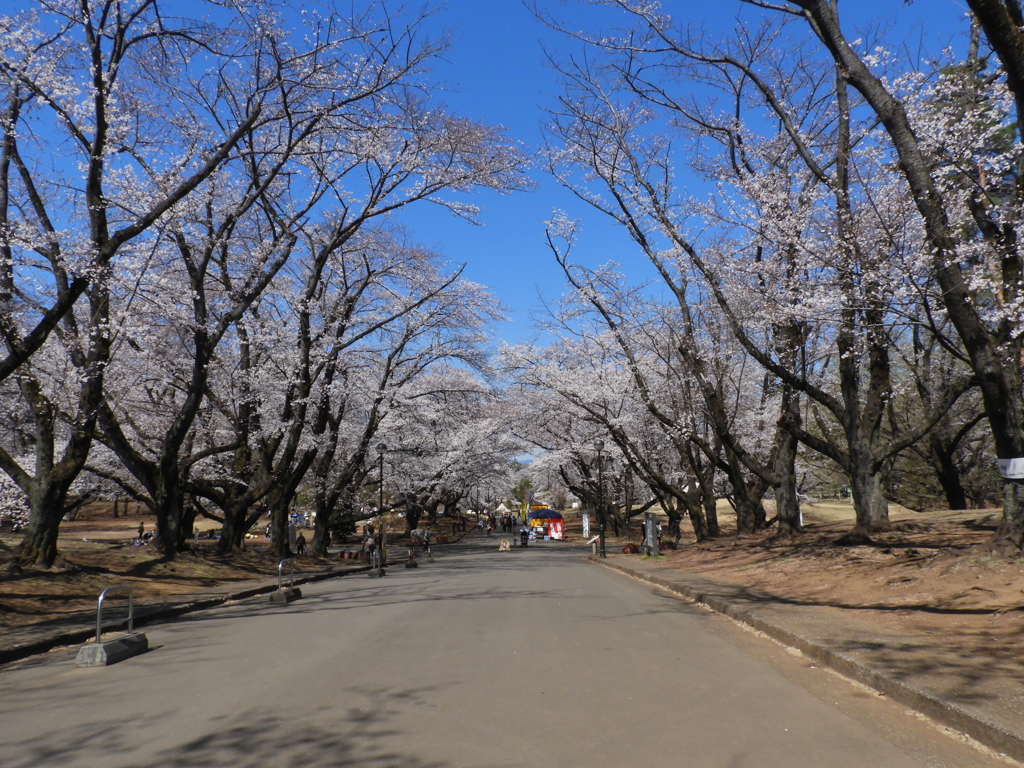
[449,436]
[596,395]
[98,145]
[809,234]
[967,190]
[381,324]
[349,143]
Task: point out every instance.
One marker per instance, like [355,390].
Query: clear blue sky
[496,72]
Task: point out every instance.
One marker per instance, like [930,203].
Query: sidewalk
[921,672]
[79,626]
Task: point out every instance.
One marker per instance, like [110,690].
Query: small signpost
[651,534]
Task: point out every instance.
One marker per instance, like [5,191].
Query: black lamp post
[381,450]
[599,446]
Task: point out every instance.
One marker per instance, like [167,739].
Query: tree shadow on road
[255,738]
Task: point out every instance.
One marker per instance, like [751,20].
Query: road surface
[483,659]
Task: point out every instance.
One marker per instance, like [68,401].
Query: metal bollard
[291,573]
[285,594]
[99,609]
[102,654]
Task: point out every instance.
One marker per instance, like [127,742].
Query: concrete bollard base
[108,652]
[287,595]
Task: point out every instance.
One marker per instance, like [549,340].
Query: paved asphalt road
[482,658]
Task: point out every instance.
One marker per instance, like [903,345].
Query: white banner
[586,524]
[1011,469]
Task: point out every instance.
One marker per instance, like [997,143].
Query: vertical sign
[651,533]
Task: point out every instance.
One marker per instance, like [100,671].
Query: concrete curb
[952,714]
[148,614]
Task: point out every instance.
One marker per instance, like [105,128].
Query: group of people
[507,522]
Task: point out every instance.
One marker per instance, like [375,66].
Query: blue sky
[496,72]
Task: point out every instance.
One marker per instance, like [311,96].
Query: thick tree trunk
[710,505]
[869,502]
[675,518]
[279,503]
[750,514]
[47,492]
[787,504]
[613,518]
[186,531]
[321,525]
[413,513]
[1009,537]
[699,521]
[167,503]
[236,522]
[46,507]
[948,475]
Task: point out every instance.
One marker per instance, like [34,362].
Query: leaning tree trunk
[699,521]
[948,474]
[675,517]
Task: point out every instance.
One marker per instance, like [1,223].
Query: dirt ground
[929,575]
[101,552]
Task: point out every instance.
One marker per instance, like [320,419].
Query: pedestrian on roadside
[300,544]
[142,530]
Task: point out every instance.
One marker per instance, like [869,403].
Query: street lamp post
[599,446]
[381,450]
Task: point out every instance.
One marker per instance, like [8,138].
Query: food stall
[547,523]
